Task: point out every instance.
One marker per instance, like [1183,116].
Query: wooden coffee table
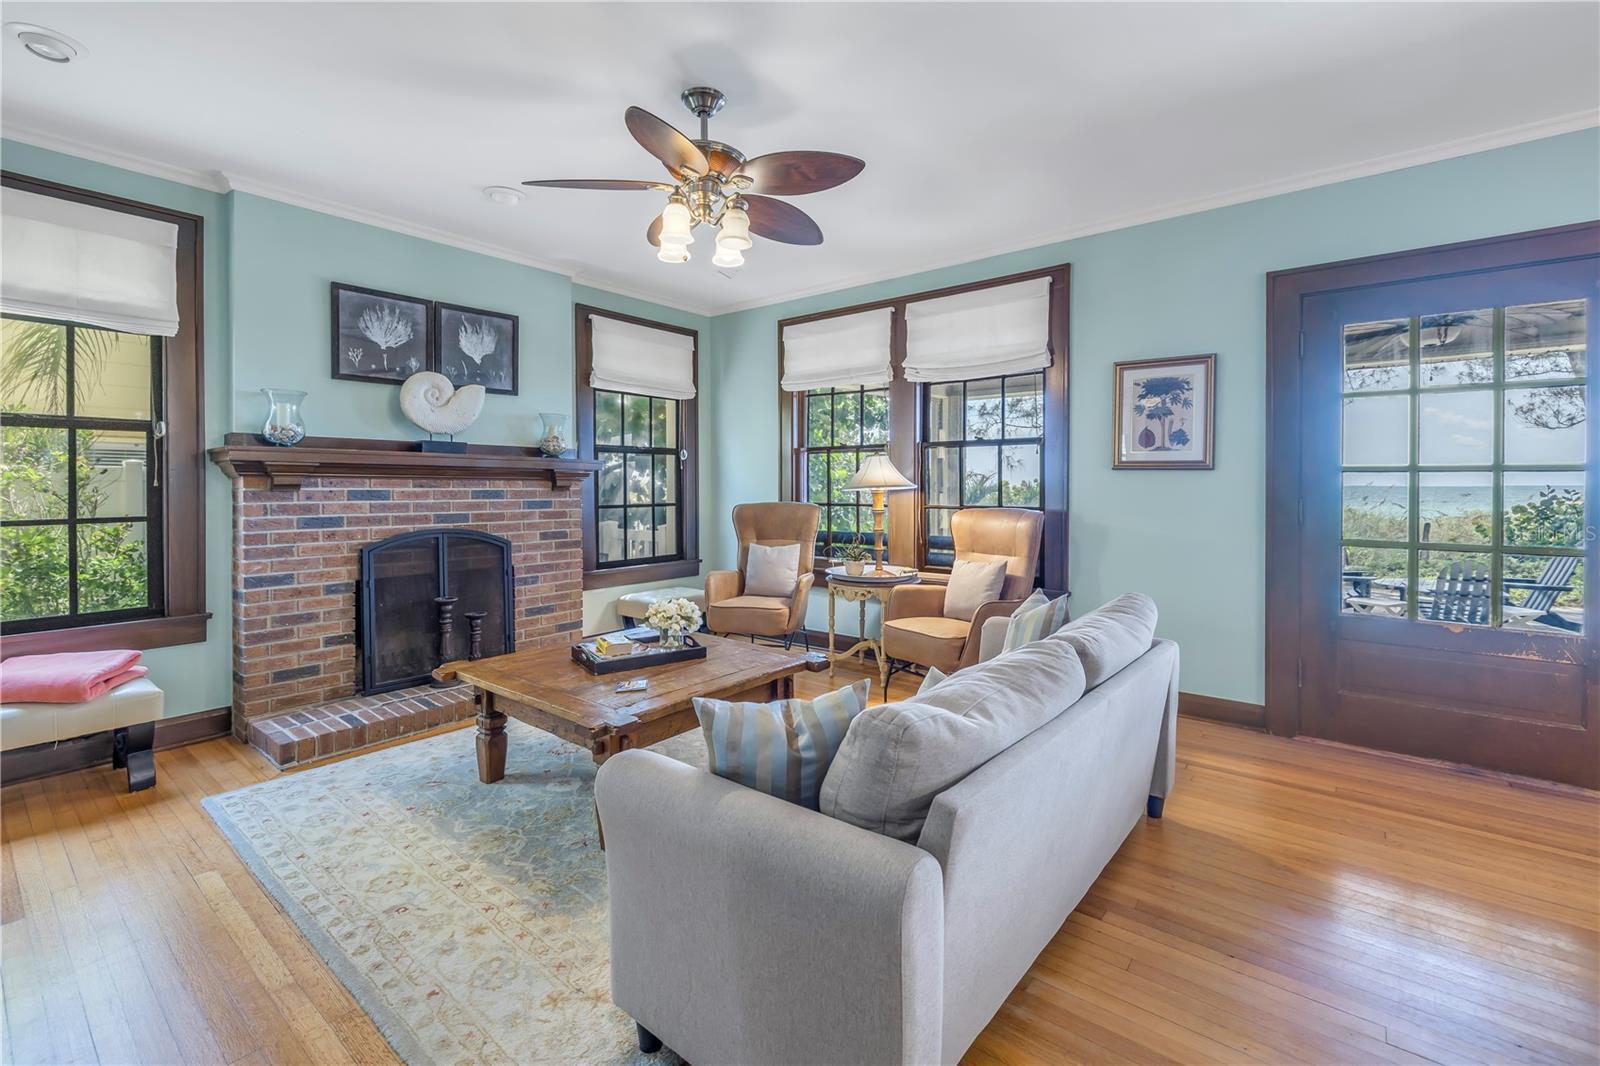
[548,691]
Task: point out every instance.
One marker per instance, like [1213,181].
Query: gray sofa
[745,929]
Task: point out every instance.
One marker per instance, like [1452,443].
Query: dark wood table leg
[491,739]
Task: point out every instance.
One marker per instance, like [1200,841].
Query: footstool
[635,605]
[128,711]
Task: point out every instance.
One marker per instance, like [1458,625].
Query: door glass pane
[1546,340]
[875,417]
[1455,587]
[608,534]
[1024,415]
[33,472]
[847,418]
[1373,581]
[941,479]
[819,419]
[1456,428]
[1377,430]
[640,469]
[33,371]
[111,373]
[1019,475]
[666,479]
[636,421]
[663,423]
[1377,355]
[34,578]
[1377,506]
[1544,592]
[111,472]
[1456,508]
[1545,425]
[983,409]
[980,485]
[608,419]
[1457,348]
[112,574]
[1544,509]
[610,479]
[945,420]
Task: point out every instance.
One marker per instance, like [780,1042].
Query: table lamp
[878,476]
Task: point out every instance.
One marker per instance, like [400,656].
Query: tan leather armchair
[728,609]
[915,629]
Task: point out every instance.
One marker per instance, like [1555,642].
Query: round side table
[859,590]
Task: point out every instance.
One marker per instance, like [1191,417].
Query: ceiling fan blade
[675,150]
[653,234]
[793,173]
[607,184]
[778,221]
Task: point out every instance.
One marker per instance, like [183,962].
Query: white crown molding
[219,182]
[1533,131]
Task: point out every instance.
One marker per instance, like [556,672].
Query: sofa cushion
[898,757]
[1112,635]
[973,583]
[769,570]
[930,679]
[782,748]
[1036,618]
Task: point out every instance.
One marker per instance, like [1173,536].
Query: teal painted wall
[268,266]
[1193,539]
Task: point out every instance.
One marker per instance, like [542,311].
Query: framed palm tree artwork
[1164,413]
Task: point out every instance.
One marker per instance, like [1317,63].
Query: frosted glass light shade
[677,226]
[727,257]
[735,232]
[672,253]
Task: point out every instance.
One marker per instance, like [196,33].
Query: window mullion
[1497,479]
[72,473]
[1413,479]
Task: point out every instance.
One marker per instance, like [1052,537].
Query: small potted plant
[855,557]
[674,620]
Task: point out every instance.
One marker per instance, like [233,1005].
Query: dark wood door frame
[1287,291]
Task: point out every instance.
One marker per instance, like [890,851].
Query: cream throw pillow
[973,583]
[1035,619]
[771,570]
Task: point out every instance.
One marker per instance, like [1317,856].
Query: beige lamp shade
[878,473]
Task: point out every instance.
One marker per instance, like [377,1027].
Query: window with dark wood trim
[640,519]
[105,528]
[922,437]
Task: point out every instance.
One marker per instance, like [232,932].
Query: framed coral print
[379,336]
[476,347]
[1164,413]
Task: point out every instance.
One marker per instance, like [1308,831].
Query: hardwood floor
[1299,902]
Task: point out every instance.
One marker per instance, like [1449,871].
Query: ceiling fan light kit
[713,184]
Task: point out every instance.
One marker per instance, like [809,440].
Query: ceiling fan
[714,184]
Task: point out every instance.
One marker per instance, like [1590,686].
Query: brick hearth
[296,566]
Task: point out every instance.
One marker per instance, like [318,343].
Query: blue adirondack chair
[1542,593]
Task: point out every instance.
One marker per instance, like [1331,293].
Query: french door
[1443,476]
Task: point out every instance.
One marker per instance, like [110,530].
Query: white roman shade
[1004,329]
[837,353]
[641,360]
[65,260]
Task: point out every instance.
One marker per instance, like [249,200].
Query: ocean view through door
[1443,509]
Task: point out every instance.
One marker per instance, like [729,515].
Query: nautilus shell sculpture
[429,400]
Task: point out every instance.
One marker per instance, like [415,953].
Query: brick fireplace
[302,516]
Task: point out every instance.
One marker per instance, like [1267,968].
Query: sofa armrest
[800,601]
[985,613]
[722,585]
[915,601]
[747,929]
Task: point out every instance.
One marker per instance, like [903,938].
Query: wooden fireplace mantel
[243,455]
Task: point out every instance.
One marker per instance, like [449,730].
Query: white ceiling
[985,127]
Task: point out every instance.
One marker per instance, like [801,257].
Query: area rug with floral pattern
[468,920]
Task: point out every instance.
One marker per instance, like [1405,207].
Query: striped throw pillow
[783,749]
[1035,619]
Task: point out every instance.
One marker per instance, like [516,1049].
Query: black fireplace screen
[417,588]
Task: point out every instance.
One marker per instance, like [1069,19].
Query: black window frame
[677,458]
[861,507]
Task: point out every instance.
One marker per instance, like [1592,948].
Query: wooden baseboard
[1217,709]
[80,753]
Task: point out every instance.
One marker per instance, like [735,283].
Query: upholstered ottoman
[128,711]
[634,605]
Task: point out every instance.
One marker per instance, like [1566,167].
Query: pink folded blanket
[66,677]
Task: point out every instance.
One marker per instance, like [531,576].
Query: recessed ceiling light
[504,195]
[45,43]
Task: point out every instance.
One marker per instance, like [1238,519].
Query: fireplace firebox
[428,597]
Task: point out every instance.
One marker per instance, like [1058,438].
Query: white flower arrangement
[673,618]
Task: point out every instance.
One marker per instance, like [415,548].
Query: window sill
[612,577]
[139,634]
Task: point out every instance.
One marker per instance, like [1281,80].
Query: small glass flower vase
[284,425]
[671,639]
[553,434]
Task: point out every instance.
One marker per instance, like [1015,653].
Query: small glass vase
[672,639]
[553,433]
[284,425]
